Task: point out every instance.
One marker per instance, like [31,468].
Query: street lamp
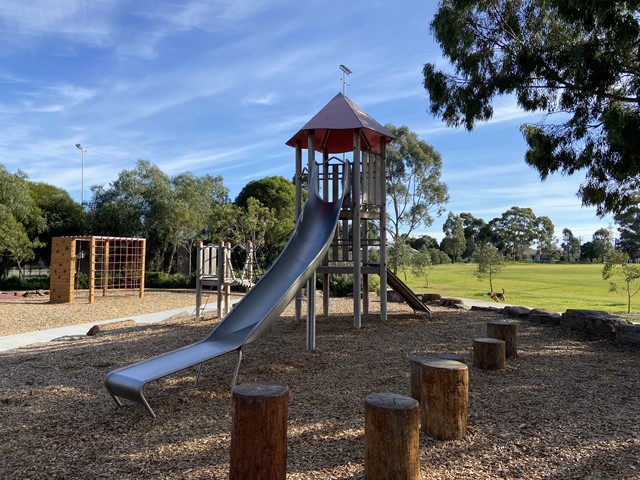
[83,150]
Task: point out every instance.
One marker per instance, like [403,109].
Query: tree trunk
[504,331]
[391,437]
[444,399]
[259,432]
[488,353]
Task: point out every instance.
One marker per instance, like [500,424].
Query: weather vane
[345,72]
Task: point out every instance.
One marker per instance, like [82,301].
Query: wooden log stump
[488,353]
[391,437]
[444,398]
[416,376]
[504,331]
[259,432]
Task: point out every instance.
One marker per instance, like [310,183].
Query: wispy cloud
[207,15]
[87,22]
[260,99]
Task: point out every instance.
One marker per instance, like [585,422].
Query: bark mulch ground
[565,408]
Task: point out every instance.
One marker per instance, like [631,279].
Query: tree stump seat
[416,360]
[444,397]
[504,331]
[488,353]
[259,431]
[391,437]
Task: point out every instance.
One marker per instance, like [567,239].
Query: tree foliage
[21,220]
[570,246]
[415,191]
[489,262]
[579,62]
[629,229]
[454,241]
[168,212]
[515,230]
[279,195]
[601,244]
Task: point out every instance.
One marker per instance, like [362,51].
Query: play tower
[341,127]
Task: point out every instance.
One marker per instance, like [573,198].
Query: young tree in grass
[618,262]
[490,262]
[421,263]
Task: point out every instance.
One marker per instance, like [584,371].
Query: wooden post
[416,375]
[488,353]
[504,331]
[105,267]
[92,269]
[259,432]
[391,437]
[444,399]
[142,260]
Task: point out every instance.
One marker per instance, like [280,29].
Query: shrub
[25,283]
[165,280]
[341,284]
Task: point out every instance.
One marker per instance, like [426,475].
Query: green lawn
[552,287]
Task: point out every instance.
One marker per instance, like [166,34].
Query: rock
[480,308]
[431,297]
[452,302]
[593,323]
[93,331]
[518,312]
[538,315]
[394,297]
[628,334]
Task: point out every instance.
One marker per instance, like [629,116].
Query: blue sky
[218,86]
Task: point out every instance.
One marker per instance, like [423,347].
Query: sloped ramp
[254,314]
[406,293]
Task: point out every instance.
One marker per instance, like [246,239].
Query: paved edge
[10,342]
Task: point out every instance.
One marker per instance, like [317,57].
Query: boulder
[545,317]
[394,297]
[517,312]
[431,297]
[628,334]
[593,323]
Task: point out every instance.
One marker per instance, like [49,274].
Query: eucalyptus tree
[415,191]
[570,245]
[515,230]
[454,241]
[21,221]
[578,63]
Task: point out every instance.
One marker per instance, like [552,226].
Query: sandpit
[565,408]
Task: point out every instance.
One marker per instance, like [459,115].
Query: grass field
[554,287]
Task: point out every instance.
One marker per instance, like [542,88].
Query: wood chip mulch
[565,408]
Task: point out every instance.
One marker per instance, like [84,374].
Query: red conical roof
[333,128]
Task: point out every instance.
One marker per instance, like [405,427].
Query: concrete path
[10,342]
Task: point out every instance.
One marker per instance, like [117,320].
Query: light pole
[83,150]
[345,72]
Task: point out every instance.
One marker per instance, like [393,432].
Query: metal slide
[255,313]
[406,293]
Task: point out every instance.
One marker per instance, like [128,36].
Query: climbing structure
[214,269]
[111,263]
[342,127]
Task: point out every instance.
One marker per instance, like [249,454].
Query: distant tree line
[172,213]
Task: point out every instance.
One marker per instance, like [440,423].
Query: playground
[565,407]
